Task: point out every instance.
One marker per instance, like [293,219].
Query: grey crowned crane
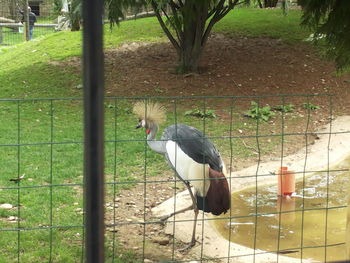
[194,159]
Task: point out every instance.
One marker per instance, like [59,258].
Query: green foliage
[201,114]
[284,108]
[116,9]
[330,21]
[259,113]
[74,14]
[310,106]
[57,7]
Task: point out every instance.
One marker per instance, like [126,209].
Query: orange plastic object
[286,182]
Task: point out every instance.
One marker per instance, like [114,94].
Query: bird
[193,157]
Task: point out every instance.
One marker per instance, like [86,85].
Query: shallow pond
[297,232]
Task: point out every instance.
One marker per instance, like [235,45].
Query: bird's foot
[162,219]
[187,248]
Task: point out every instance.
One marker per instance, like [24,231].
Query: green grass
[264,23]
[30,70]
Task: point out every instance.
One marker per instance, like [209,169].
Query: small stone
[6,206]
[161,241]
[12,218]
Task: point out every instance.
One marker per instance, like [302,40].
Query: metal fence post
[94,131]
[26,20]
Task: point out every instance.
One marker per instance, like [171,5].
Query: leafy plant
[310,106]
[109,105]
[284,108]
[259,113]
[201,114]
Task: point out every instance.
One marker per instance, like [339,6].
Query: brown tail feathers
[217,199]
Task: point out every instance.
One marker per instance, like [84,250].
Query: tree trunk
[75,25]
[270,3]
[189,59]
[192,42]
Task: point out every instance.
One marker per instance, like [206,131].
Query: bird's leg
[163,218]
[195,208]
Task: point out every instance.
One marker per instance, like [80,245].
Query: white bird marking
[188,169]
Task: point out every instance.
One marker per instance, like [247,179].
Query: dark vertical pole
[94,131]
[26,20]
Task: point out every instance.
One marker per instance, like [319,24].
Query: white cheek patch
[143,123]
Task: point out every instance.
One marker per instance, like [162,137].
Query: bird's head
[149,114]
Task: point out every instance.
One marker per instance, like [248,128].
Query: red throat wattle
[148,131]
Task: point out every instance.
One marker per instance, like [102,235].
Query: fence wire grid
[11,18]
[41,189]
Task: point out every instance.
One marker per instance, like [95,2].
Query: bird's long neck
[155,145]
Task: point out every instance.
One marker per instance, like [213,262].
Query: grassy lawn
[264,23]
[42,139]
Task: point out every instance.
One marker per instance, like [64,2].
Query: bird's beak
[139,125]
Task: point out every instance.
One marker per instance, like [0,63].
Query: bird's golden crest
[152,111]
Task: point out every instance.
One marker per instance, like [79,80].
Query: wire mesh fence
[41,189]
[12,20]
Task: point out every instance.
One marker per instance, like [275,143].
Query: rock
[12,218]
[161,240]
[6,206]
[112,230]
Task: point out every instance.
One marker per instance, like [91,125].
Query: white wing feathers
[188,169]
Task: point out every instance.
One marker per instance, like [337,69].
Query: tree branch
[178,24]
[164,27]
[172,23]
[221,11]
[215,19]
[230,6]
[181,3]
[173,4]
[216,8]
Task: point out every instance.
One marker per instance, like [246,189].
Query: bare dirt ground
[240,67]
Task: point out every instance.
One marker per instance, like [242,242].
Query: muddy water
[294,228]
